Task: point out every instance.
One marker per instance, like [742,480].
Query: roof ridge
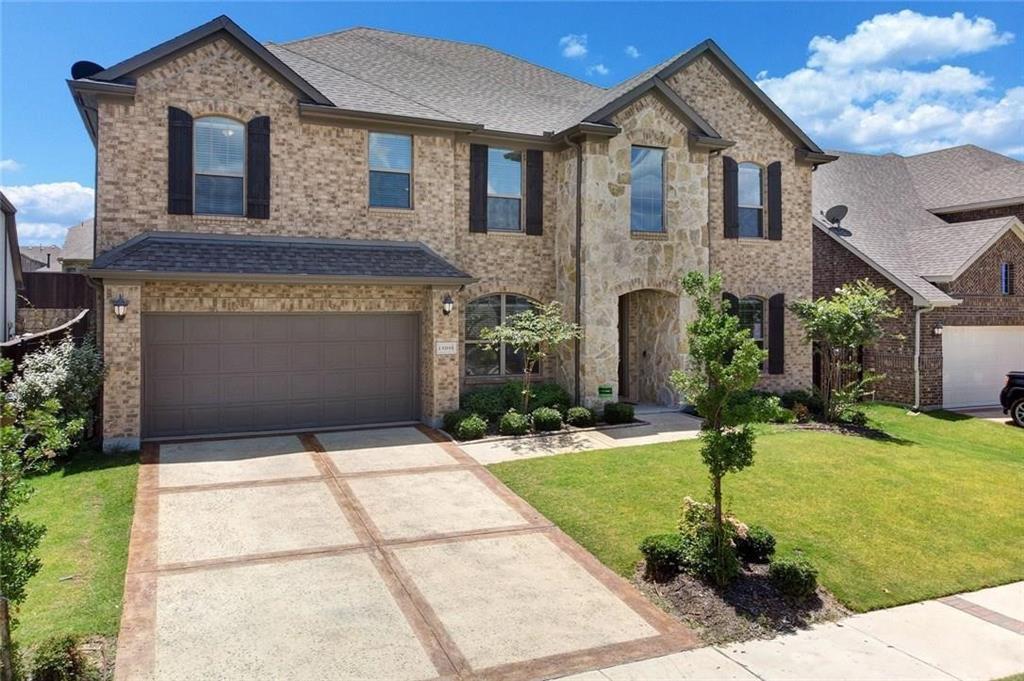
[363,80]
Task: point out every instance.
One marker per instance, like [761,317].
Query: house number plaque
[446,347]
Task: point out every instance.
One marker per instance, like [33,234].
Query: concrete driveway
[383,554]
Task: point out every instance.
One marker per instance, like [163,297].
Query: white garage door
[975,360]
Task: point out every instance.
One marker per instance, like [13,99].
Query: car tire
[1017,412]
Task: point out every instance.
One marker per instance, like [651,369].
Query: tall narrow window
[647,190]
[484,313]
[390,170]
[751,200]
[751,314]
[219,166]
[504,189]
[1006,279]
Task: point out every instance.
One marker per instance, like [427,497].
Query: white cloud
[632,52]
[45,211]
[9,165]
[906,38]
[598,69]
[574,46]
[34,233]
[846,98]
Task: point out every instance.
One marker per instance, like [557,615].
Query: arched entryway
[649,337]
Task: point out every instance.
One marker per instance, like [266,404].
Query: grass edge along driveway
[936,509]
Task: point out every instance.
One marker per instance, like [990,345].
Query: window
[219,166]
[751,200]
[646,205]
[485,313]
[1006,279]
[390,170]
[504,189]
[751,314]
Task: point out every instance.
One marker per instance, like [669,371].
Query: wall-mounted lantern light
[938,329]
[447,305]
[120,306]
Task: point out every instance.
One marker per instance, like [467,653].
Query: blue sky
[875,77]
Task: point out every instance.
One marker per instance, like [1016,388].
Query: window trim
[245,167]
[764,324]
[664,155]
[502,373]
[411,173]
[762,171]
[521,198]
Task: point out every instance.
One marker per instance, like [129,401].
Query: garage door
[975,360]
[232,373]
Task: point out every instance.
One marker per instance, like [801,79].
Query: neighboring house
[943,231]
[48,257]
[12,272]
[76,254]
[30,265]
[313,234]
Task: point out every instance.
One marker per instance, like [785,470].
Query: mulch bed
[748,608]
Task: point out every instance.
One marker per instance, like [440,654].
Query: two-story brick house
[313,234]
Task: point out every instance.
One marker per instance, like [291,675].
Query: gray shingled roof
[889,222]
[40,253]
[78,243]
[178,254]
[965,175]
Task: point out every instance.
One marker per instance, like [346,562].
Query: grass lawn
[936,509]
[86,506]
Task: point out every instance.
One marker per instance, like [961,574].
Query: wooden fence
[78,328]
[58,290]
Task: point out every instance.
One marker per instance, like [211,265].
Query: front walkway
[373,554]
[978,635]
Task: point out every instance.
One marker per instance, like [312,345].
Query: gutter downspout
[917,355]
[579,264]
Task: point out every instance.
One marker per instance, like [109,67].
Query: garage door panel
[218,373]
[975,361]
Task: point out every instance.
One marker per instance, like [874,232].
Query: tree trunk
[526,387]
[6,668]
[719,534]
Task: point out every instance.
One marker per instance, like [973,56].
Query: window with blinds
[390,170]
[647,190]
[219,153]
[504,189]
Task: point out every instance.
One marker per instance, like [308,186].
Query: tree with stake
[536,334]
[724,365]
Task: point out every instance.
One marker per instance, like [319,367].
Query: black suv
[1012,397]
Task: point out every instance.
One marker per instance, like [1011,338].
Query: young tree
[836,327]
[724,365]
[536,334]
[28,440]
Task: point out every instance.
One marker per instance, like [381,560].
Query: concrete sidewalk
[978,635]
[662,424]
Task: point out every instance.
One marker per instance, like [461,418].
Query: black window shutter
[257,170]
[730,197]
[1009,279]
[534,191]
[179,162]
[775,201]
[478,187]
[734,302]
[777,334]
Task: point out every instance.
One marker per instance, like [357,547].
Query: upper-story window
[504,189]
[1006,278]
[751,200]
[390,170]
[647,190]
[751,315]
[219,166]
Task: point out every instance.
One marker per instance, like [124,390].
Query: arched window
[752,318]
[487,312]
[219,166]
[751,200]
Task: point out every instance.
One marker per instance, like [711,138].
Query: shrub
[513,423]
[793,576]
[663,556]
[547,418]
[551,395]
[618,412]
[473,427]
[808,399]
[581,417]
[857,418]
[801,414]
[452,418]
[756,546]
[59,659]
[490,403]
[699,557]
[762,407]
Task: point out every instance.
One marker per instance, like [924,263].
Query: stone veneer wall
[37,319]
[756,267]
[654,337]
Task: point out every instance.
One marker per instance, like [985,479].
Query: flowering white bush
[71,374]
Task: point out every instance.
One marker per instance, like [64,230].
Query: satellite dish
[84,69]
[835,214]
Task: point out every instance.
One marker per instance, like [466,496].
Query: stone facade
[39,319]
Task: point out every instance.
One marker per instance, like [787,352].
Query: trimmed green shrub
[663,556]
[547,418]
[59,659]
[550,395]
[698,557]
[757,546]
[452,418]
[810,400]
[618,412]
[513,423]
[473,427]
[801,413]
[793,576]
[581,417]
[490,403]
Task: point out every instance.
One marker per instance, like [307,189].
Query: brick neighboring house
[312,234]
[943,230]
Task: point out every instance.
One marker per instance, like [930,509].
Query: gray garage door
[228,373]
